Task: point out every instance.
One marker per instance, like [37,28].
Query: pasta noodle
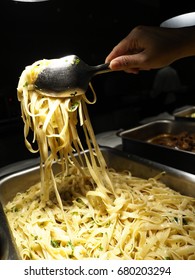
[87,211]
[54,123]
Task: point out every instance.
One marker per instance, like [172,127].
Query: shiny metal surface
[67,76]
[135,141]
[8,249]
[21,180]
[184,20]
[185,114]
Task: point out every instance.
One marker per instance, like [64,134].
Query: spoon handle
[101,68]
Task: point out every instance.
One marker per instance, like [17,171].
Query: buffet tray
[136,141]
[18,178]
[184,114]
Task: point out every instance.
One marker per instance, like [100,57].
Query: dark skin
[148,47]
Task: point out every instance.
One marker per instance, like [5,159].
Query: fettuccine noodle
[87,211]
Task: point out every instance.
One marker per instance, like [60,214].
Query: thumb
[127,62]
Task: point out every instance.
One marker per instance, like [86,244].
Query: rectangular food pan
[138,141]
[20,178]
[185,114]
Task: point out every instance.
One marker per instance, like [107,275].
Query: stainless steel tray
[185,114]
[19,178]
[135,141]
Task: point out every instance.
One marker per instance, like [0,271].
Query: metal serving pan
[23,177]
[185,114]
[135,141]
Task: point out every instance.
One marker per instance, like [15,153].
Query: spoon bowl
[67,76]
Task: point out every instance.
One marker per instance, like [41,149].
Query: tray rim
[140,127]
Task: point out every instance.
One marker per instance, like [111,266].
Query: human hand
[147,47]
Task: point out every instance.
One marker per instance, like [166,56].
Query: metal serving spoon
[67,76]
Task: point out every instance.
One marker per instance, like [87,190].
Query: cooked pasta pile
[146,220]
[87,211]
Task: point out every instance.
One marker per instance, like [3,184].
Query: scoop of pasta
[54,124]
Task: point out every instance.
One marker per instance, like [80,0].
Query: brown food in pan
[183,140]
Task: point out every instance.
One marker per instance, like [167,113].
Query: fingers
[120,49]
[114,54]
[129,63]
[115,65]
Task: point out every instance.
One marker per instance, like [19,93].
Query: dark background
[89,29]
